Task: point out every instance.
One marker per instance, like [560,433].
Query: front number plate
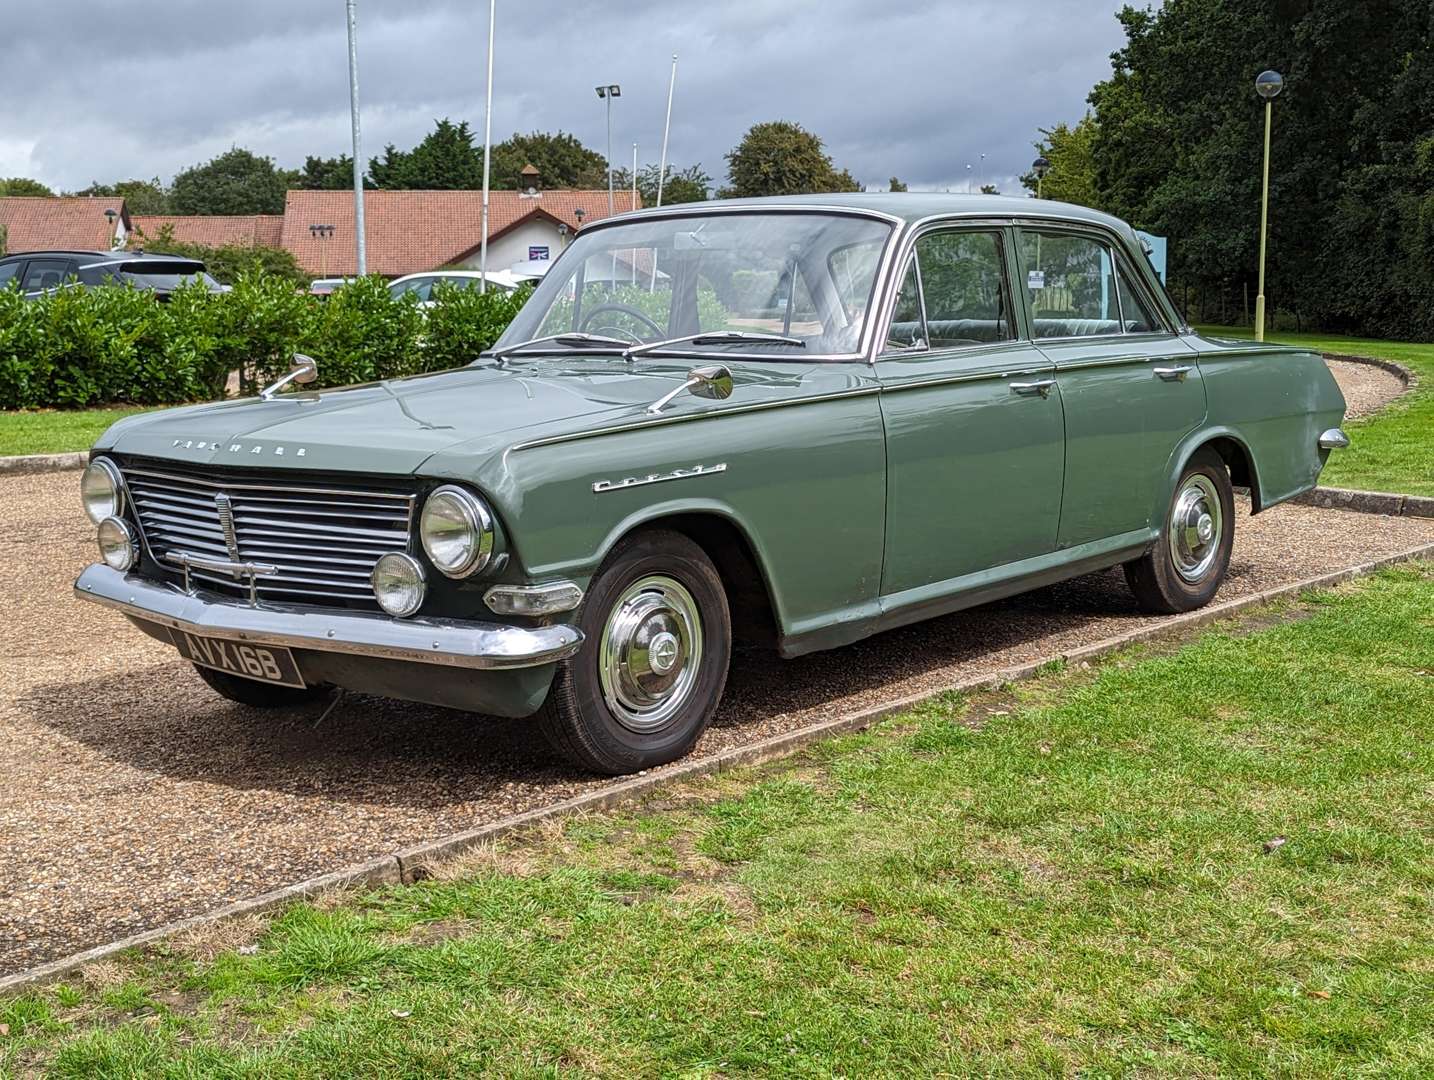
[263,663]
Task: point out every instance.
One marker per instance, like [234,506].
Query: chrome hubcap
[1195,528]
[650,653]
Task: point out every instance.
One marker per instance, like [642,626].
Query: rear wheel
[257,694]
[1186,565]
[651,672]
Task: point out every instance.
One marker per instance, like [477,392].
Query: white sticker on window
[1036,279]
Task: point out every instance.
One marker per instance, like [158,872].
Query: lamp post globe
[1268,84]
[1040,167]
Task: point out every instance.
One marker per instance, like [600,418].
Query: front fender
[805,483]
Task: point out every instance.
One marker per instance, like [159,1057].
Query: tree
[328,174]
[990,189]
[561,160]
[445,160]
[782,158]
[896,185]
[225,264]
[140,196]
[235,182]
[1070,150]
[687,185]
[23,185]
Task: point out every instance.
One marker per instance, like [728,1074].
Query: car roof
[116,256]
[905,206]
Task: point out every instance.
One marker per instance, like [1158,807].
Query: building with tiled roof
[62,223]
[407,232]
[212,230]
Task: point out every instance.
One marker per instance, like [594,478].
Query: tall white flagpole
[359,251]
[666,128]
[487,149]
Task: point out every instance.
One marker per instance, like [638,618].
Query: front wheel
[651,672]
[1186,565]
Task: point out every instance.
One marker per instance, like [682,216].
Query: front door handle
[1173,374]
[1043,387]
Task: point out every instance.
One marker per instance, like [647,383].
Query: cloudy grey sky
[109,89]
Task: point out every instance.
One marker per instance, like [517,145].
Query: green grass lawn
[54,431]
[1082,875]
[1394,449]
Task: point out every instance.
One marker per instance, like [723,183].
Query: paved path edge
[13,465]
[411,864]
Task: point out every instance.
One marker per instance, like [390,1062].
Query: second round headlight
[398,584]
[457,531]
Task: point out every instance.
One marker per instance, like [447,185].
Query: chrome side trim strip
[451,642]
[681,418]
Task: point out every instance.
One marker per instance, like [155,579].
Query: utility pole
[358,142]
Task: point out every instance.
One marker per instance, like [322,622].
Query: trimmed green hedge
[82,347]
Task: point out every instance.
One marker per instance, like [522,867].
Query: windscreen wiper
[715,337]
[575,339]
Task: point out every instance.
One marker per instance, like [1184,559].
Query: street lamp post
[1040,167]
[359,252]
[607,93]
[666,128]
[1268,84]
[110,216]
[487,150]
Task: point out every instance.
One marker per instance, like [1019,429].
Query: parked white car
[421,285]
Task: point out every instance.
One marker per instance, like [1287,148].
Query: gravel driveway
[134,796]
[1367,388]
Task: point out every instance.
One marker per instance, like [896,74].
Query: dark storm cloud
[919,90]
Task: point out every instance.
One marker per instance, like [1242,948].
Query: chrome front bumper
[451,642]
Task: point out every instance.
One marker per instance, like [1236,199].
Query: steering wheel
[623,309]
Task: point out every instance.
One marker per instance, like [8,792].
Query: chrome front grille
[321,541]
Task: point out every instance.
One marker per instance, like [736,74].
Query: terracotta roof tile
[411,231]
[47,223]
[210,230]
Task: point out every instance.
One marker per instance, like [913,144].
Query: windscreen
[807,276]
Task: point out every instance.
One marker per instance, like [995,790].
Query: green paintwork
[868,500]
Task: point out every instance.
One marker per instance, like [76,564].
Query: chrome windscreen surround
[321,541]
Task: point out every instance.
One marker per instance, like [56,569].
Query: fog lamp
[118,546]
[398,584]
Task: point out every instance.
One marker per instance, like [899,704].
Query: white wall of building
[513,247]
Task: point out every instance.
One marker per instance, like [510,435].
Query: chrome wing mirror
[714,382]
[305,370]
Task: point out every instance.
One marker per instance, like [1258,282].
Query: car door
[974,431]
[1131,387]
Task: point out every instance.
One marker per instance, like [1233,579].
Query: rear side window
[41,274]
[1071,283]
[8,272]
[963,282]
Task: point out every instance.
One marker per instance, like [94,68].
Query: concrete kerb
[410,864]
[43,463]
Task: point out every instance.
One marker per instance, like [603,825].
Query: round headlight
[457,531]
[398,584]
[101,491]
[118,546]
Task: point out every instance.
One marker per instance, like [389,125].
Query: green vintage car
[789,422]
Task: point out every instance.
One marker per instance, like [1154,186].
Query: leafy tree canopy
[226,264]
[561,160]
[446,160]
[896,185]
[140,196]
[23,185]
[1178,139]
[235,182]
[1070,150]
[782,158]
[328,174]
[681,186]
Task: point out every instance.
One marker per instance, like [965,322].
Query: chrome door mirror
[714,382]
[304,370]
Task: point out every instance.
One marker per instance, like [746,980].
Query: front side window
[806,278]
[1139,319]
[963,281]
[1071,283]
[8,271]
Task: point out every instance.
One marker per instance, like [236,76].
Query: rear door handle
[1173,374]
[1043,387]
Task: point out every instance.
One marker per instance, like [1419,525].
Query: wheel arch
[1233,450]
[751,595]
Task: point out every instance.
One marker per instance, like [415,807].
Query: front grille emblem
[225,511]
